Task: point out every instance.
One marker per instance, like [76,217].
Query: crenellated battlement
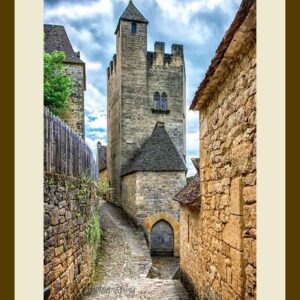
[112,66]
[160,58]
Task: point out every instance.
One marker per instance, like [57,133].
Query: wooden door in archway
[162,239]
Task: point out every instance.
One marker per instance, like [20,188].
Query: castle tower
[143,88]
[56,39]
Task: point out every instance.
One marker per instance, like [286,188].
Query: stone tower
[143,88]
[56,39]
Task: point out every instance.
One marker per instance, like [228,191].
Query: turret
[133,15]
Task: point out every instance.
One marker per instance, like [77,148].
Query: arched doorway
[162,239]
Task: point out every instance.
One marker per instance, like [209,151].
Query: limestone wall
[218,243]
[168,79]
[69,205]
[147,193]
[147,197]
[74,116]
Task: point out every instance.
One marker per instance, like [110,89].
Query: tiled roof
[240,17]
[102,156]
[56,39]
[131,13]
[190,194]
[158,153]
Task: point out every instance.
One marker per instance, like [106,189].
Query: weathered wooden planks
[65,152]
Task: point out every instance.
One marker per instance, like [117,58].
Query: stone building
[146,103]
[56,39]
[149,183]
[143,88]
[218,228]
[102,166]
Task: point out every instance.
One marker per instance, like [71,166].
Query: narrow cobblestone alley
[124,266]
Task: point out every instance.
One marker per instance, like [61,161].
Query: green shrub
[57,85]
[93,233]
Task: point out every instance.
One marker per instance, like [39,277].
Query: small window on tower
[156,100]
[133,27]
[163,103]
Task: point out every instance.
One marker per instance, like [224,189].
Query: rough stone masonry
[218,240]
[68,255]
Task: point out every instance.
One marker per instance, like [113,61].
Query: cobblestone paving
[125,262]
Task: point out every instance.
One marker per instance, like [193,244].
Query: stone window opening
[160,103]
[163,102]
[133,27]
[156,101]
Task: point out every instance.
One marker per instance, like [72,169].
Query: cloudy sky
[90,24]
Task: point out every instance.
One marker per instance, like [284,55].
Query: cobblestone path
[124,264]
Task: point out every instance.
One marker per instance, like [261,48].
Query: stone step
[135,289]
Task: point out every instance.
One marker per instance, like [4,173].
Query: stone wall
[218,243]
[74,116]
[167,75]
[68,253]
[147,197]
[103,176]
[103,185]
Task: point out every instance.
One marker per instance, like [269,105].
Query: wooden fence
[65,152]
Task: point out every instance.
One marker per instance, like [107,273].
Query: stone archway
[150,221]
[162,239]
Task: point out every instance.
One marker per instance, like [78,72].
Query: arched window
[163,102]
[156,101]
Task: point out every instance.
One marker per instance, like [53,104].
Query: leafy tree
[57,85]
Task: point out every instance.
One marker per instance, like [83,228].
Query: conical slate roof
[56,39]
[131,13]
[157,154]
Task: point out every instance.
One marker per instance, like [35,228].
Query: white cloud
[192,140]
[192,120]
[80,11]
[91,65]
[96,120]
[192,143]
[198,34]
[183,11]
[95,101]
